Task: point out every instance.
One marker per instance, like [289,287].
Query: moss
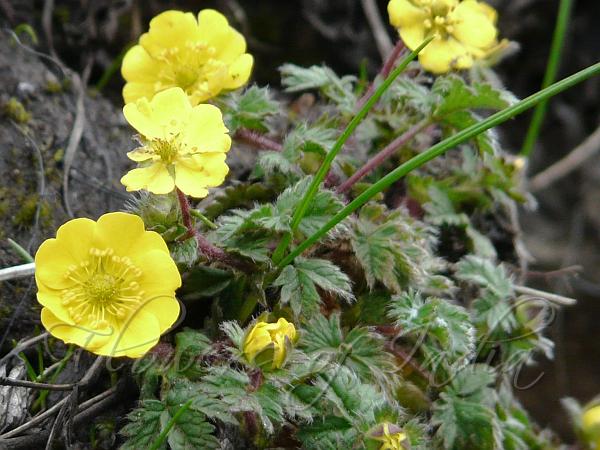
[14,109]
[26,214]
[53,87]
[59,154]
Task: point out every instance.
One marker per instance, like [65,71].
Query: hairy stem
[383,155]
[257,140]
[387,67]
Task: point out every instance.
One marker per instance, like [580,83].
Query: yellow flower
[202,57]
[590,422]
[182,146]
[465,31]
[268,341]
[391,436]
[108,286]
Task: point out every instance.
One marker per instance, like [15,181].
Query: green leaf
[444,330]
[144,425]
[204,282]
[456,95]
[485,274]
[464,411]
[185,253]
[359,349]
[339,90]
[394,250]
[234,332]
[327,433]
[249,109]
[299,284]
[191,430]
[190,346]
[465,424]
[323,207]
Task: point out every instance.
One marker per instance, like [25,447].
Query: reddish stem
[382,156]
[387,67]
[209,250]
[258,140]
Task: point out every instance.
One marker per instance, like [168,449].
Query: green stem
[439,149]
[203,218]
[324,169]
[560,29]
[165,432]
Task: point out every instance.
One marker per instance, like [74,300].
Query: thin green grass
[560,29]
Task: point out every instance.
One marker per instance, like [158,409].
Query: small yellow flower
[269,337]
[108,286]
[391,436]
[465,31]
[590,422]
[203,57]
[182,146]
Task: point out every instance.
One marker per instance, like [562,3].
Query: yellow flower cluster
[177,64]
[465,31]
[109,286]
[266,343]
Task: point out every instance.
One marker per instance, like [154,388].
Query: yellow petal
[413,36]
[80,335]
[205,130]
[71,246]
[239,71]
[134,91]
[256,341]
[232,48]
[162,117]
[195,173]
[213,28]
[442,55]
[52,300]
[159,272]
[162,306]
[141,154]
[473,26]
[169,29]
[133,337]
[154,178]
[120,231]
[139,66]
[405,14]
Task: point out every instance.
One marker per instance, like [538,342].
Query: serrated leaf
[485,274]
[234,332]
[359,349]
[327,433]
[465,424]
[203,282]
[299,283]
[444,329]
[249,109]
[456,95]
[339,90]
[322,208]
[191,430]
[464,411]
[394,250]
[144,425]
[190,346]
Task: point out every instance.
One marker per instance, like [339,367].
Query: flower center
[440,21]
[185,64]
[104,289]
[166,149]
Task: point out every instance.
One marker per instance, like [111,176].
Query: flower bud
[590,422]
[266,343]
[391,436]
